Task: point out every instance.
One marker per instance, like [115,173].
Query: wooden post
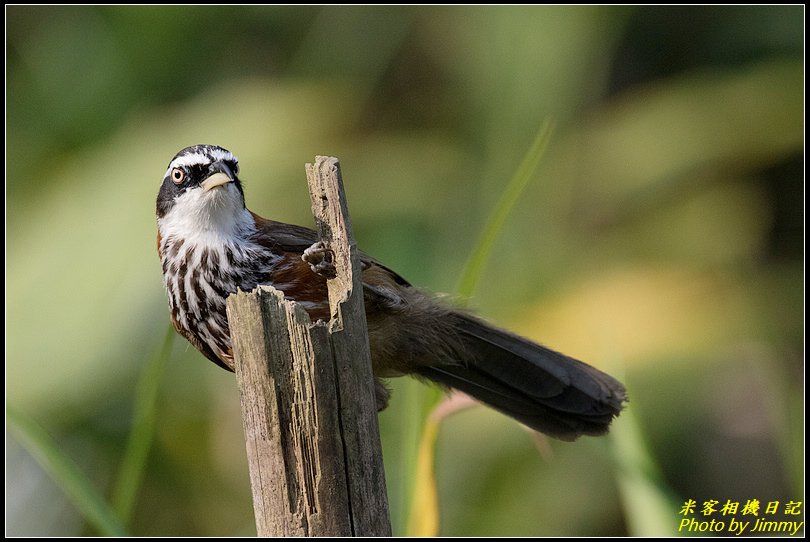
[307,394]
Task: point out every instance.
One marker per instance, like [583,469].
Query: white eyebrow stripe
[222,155]
[194,159]
[198,158]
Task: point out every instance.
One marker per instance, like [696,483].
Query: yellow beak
[217,179]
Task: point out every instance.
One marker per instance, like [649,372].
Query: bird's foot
[321,260]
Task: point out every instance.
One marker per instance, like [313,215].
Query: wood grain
[307,394]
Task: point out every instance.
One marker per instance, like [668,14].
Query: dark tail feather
[541,388]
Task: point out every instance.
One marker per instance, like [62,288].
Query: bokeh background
[661,238]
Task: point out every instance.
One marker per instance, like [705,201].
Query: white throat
[208,218]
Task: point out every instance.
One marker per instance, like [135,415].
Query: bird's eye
[178,175]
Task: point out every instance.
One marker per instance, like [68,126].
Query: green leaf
[140,439]
[650,507]
[65,473]
[511,194]
[423,517]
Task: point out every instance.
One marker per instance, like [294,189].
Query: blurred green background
[661,238]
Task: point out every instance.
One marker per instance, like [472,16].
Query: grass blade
[511,194]
[417,456]
[423,516]
[64,471]
[649,504]
[143,424]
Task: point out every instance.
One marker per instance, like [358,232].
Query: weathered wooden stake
[307,394]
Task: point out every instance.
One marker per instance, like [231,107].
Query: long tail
[543,389]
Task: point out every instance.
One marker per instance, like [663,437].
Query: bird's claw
[321,260]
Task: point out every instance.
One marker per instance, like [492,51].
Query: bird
[211,245]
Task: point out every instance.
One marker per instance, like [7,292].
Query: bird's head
[201,192]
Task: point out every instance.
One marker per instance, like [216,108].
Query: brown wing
[281,237]
[295,278]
